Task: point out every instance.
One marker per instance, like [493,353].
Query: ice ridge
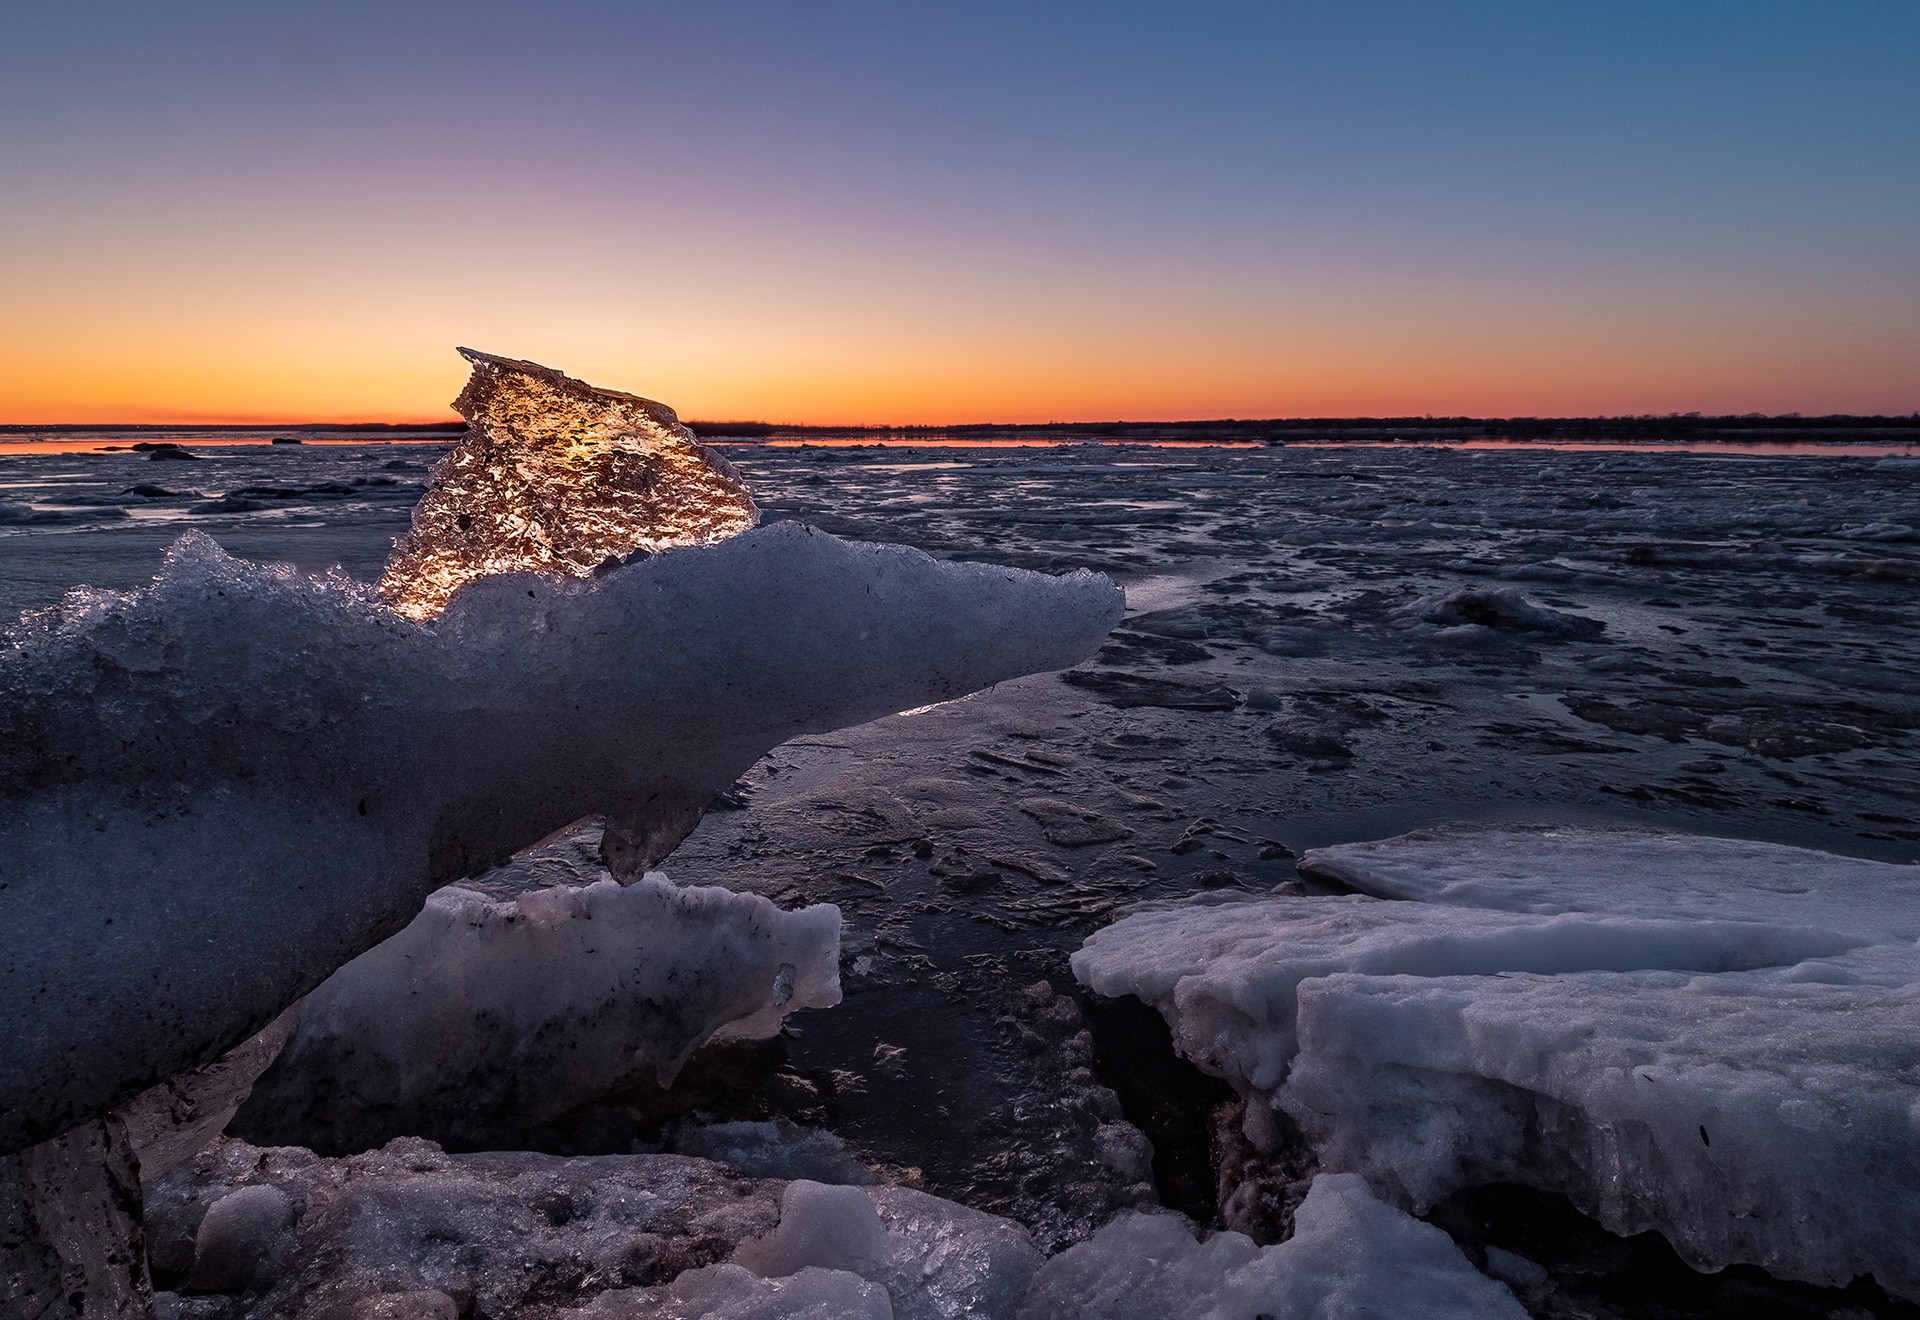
[222,787]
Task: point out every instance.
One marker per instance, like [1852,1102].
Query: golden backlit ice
[557,476]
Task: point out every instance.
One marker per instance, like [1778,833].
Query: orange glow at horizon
[810,333]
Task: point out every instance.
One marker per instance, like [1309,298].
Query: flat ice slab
[1749,1088]
[1631,873]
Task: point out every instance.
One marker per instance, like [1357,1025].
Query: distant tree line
[1641,426]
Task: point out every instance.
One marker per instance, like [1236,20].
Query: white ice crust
[1630,873]
[1350,1255]
[533,1006]
[221,788]
[1750,1089]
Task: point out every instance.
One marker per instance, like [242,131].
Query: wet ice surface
[1325,645]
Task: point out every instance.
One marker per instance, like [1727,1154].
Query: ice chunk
[1632,874]
[1350,1255]
[484,1018]
[1486,611]
[1766,1117]
[1747,1088]
[937,1260]
[557,476]
[223,787]
[242,1240]
[1226,971]
[833,1228]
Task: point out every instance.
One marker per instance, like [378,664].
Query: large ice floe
[1714,1039]
[222,787]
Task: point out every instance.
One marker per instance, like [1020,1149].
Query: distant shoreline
[1690,427]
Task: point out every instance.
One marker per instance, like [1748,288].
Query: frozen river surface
[1323,645]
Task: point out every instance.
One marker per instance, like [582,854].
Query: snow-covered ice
[253,776]
[484,1019]
[1227,971]
[1350,1255]
[1765,1117]
[1749,1088]
[1632,873]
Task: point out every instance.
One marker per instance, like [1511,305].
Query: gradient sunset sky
[909,212]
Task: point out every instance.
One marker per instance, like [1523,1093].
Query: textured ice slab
[1226,973]
[1631,874]
[1750,1089]
[221,788]
[557,476]
[483,1018]
[1767,1117]
[1350,1255]
[282,1232]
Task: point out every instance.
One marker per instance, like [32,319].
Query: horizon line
[1408,420]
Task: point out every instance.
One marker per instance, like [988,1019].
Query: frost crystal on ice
[557,476]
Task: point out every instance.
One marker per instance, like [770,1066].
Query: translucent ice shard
[557,476]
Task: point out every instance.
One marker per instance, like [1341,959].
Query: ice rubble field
[1749,1088]
[409,1230]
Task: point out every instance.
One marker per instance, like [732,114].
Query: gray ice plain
[1416,1096]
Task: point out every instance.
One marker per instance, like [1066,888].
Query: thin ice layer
[557,476]
[482,1018]
[1765,1117]
[221,788]
[1350,1255]
[1632,874]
